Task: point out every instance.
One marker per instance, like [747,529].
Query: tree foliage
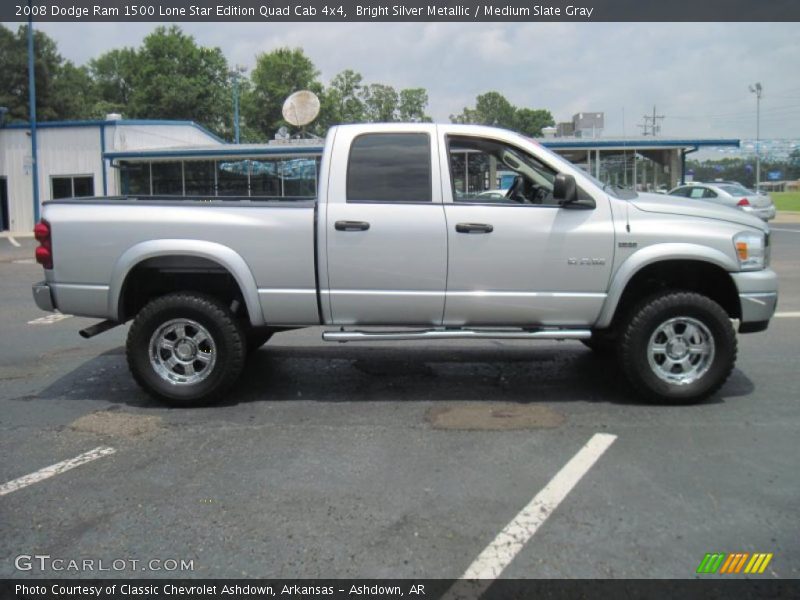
[492,108]
[277,74]
[63,91]
[169,77]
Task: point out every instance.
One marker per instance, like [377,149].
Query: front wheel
[677,348]
[185,349]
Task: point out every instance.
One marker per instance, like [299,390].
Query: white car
[729,194]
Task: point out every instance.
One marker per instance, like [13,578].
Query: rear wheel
[677,347]
[185,349]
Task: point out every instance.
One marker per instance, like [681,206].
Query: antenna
[301,108]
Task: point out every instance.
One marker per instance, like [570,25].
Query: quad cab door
[385,239]
[516,256]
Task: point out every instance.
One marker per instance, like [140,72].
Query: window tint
[390,167]
[709,193]
[683,192]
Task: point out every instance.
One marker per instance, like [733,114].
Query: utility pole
[651,126]
[756,89]
[32,116]
[235,74]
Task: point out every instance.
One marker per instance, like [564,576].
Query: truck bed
[265,243]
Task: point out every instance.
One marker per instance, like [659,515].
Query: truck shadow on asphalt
[564,373]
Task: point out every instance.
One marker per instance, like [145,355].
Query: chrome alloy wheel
[681,350]
[182,352]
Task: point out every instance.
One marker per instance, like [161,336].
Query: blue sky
[697,74]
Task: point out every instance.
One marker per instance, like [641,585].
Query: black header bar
[260,11]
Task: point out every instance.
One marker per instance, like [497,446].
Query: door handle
[474,228]
[351,225]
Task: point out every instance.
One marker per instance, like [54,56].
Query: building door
[4,218]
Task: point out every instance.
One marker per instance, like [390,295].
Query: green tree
[492,108]
[531,121]
[114,76]
[413,102]
[344,96]
[63,91]
[277,74]
[380,103]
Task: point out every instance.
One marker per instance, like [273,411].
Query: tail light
[743,202]
[44,252]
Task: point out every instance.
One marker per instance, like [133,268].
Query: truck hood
[672,205]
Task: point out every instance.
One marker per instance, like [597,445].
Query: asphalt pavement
[378,460]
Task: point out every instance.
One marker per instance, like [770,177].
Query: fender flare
[651,255]
[224,256]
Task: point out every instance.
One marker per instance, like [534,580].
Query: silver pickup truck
[402,240]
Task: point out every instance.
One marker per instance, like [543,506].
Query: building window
[266,178]
[76,186]
[300,178]
[199,177]
[134,178]
[390,167]
[233,178]
[167,178]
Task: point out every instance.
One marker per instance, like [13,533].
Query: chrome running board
[456,334]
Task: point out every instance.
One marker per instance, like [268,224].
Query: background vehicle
[390,243]
[729,194]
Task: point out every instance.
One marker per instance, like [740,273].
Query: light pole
[32,116]
[756,89]
[235,74]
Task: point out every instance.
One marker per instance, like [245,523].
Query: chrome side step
[456,334]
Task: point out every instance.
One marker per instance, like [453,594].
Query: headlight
[752,250]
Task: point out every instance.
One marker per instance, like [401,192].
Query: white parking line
[498,555]
[47,472]
[787,315]
[14,241]
[49,319]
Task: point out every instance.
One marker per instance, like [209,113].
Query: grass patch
[786,200]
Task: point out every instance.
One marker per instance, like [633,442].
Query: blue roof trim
[227,150]
[654,143]
[102,123]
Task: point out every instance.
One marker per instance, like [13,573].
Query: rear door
[385,233]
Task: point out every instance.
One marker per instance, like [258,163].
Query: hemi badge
[628,244]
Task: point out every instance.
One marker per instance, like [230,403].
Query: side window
[389,167]
[709,193]
[484,171]
[682,192]
[697,192]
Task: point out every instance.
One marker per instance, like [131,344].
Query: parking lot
[404,460]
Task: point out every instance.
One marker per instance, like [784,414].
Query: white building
[72,159]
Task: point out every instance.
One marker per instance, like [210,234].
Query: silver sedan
[729,194]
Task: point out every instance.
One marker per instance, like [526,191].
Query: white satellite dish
[301,108]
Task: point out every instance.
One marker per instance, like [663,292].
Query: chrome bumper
[43,297]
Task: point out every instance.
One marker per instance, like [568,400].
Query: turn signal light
[741,250]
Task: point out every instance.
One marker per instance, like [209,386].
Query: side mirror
[565,190]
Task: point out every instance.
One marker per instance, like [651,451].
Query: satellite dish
[301,108]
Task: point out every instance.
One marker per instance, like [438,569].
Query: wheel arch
[690,267]
[223,257]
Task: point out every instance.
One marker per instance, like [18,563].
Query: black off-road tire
[220,323]
[643,321]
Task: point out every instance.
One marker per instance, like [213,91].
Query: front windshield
[610,189]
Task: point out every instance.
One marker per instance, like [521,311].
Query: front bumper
[758,298]
[43,296]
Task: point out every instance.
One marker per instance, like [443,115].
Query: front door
[385,229]
[516,257]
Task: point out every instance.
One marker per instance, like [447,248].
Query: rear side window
[389,167]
